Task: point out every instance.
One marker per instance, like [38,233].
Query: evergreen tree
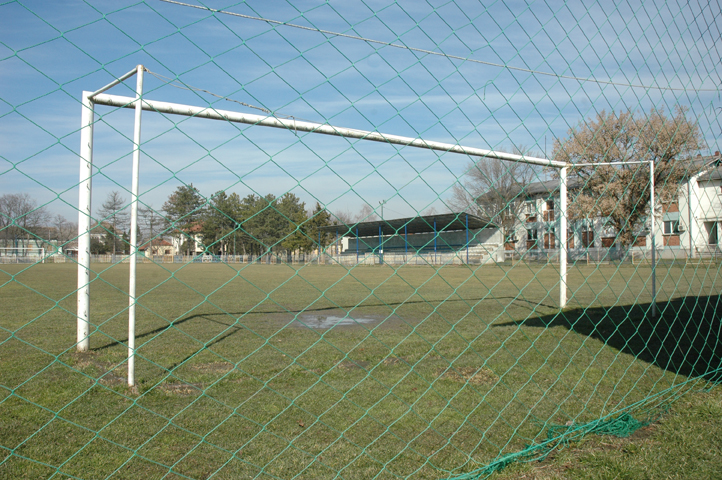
[292,212]
[320,217]
[221,222]
[183,214]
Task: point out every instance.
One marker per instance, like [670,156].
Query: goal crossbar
[311,127]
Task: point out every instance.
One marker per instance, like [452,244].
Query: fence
[514,216]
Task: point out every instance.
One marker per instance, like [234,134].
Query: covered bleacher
[440,238]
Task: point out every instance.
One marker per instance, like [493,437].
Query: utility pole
[382,208]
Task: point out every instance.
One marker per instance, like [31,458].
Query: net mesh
[319,306]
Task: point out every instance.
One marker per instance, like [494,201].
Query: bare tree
[115,217]
[494,189]
[153,221]
[620,193]
[64,230]
[366,214]
[20,217]
[342,217]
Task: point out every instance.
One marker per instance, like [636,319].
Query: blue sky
[51,51]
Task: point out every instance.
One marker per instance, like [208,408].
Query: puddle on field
[328,321]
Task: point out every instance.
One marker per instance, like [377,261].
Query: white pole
[85,187]
[690,226]
[325,129]
[114,82]
[563,241]
[652,233]
[134,228]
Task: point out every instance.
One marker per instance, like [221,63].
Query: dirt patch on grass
[107,373]
[182,389]
[473,375]
[357,365]
[213,367]
[391,361]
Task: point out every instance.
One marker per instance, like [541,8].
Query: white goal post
[138,103]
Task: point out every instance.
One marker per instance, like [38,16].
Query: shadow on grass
[685,338]
[531,306]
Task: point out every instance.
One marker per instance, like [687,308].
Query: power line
[185,86]
[446,55]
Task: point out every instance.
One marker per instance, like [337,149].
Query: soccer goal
[22,255]
[139,103]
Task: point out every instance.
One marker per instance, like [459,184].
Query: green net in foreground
[472,234]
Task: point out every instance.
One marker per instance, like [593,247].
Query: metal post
[84,212]
[563,240]
[652,233]
[689,214]
[356,245]
[435,235]
[381,251]
[134,227]
[319,246]
[467,238]
[406,242]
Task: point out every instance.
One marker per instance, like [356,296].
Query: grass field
[685,443]
[446,370]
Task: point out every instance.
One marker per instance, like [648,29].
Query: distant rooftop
[446,222]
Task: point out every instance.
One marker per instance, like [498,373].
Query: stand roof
[447,222]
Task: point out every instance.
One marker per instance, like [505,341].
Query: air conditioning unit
[680,229]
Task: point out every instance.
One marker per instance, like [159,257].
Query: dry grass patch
[213,367]
[357,365]
[473,375]
[107,373]
[182,389]
[390,361]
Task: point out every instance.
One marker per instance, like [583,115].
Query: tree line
[224,224]
[252,225]
[25,223]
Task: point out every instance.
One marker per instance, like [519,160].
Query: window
[671,227]
[549,211]
[587,236]
[532,234]
[529,207]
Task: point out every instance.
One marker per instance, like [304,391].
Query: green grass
[685,443]
[459,367]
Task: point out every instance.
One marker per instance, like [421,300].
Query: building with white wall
[683,228]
